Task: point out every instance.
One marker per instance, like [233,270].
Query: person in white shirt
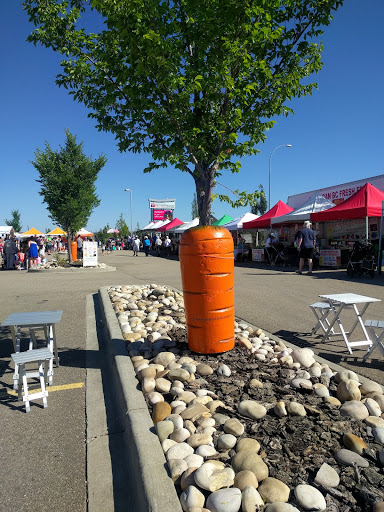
[158,244]
[167,245]
[136,246]
[268,244]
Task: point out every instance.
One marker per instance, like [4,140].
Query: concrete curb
[151,485]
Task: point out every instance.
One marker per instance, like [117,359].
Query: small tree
[121,225]
[196,84]
[14,221]
[256,200]
[67,178]
[102,234]
[261,206]
[195,207]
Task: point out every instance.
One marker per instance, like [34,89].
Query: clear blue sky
[337,134]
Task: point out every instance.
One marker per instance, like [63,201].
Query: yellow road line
[63,387]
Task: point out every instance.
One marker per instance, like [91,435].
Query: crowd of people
[159,245]
[29,253]
[23,253]
[18,254]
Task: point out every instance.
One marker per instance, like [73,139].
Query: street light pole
[269,186]
[129,190]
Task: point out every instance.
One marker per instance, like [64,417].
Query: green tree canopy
[67,178]
[194,84]
[14,221]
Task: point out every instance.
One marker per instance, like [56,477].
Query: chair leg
[25,388]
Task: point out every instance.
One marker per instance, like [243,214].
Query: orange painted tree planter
[207,271]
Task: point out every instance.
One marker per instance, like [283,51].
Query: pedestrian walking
[147,244]
[136,246]
[306,243]
[158,244]
[167,245]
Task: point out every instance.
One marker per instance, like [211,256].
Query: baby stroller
[276,255]
[361,260]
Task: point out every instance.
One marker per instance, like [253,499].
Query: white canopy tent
[316,203]
[193,223]
[237,223]
[5,230]
[84,232]
[158,225]
[149,226]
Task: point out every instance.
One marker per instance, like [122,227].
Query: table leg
[359,319]
[344,335]
[336,313]
[57,361]
[19,382]
[13,333]
[43,376]
[16,342]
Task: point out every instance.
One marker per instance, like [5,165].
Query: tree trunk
[69,240]
[204,186]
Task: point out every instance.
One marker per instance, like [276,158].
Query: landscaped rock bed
[260,426]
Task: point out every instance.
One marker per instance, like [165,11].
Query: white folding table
[337,303]
[45,320]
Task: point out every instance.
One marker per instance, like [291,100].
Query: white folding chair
[377,341]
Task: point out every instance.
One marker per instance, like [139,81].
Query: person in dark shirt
[306,244]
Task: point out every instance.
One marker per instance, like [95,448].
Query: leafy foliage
[102,234]
[67,178]
[122,226]
[254,199]
[195,84]
[14,221]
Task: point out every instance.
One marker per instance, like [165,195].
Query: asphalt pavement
[44,453]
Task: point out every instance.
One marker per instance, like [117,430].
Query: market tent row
[56,232]
[192,224]
[366,202]
[156,225]
[31,232]
[83,232]
[149,226]
[315,203]
[223,220]
[172,225]
[5,230]
[264,221]
[239,222]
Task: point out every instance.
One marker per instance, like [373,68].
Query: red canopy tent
[366,202]
[171,225]
[264,221]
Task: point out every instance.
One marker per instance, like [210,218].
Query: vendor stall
[192,224]
[242,242]
[223,220]
[264,222]
[172,225]
[356,218]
